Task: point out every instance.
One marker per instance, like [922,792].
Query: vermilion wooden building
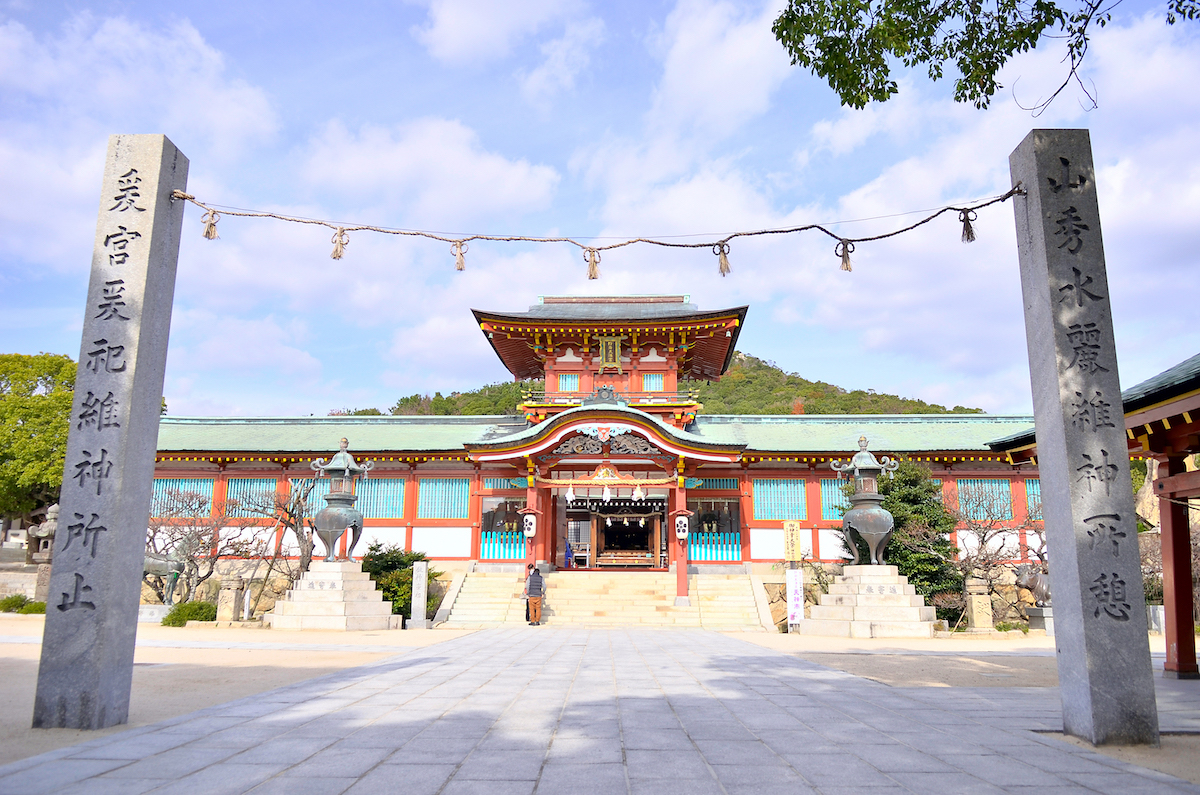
[605,457]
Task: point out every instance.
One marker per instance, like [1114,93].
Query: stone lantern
[339,514]
[867,519]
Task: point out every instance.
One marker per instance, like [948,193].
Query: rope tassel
[209,219]
[458,248]
[844,249]
[967,216]
[721,250]
[593,260]
[340,240]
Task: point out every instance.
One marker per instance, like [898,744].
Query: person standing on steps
[535,586]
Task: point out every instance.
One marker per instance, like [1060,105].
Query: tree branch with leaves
[855,45]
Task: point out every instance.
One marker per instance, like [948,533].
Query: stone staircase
[608,599]
[488,599]
[337,596]
[870,602]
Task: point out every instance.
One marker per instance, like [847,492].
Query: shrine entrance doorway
[628,543]
[618,534]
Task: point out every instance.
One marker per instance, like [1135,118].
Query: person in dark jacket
[535,586]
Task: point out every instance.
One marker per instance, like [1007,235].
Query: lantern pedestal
[334,596]
[871,602]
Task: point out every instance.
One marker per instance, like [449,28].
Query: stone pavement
[563,711]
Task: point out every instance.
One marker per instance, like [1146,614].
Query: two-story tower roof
[640,347]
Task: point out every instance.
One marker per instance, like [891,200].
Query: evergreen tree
[920,546]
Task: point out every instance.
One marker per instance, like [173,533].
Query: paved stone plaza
[564,711]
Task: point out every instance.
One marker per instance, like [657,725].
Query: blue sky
[615,119]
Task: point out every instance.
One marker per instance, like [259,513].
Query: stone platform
[871,602]
[545,711]
[337,596]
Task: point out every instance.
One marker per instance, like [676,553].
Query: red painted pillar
[681,558]
[1178,625]
[1020,510]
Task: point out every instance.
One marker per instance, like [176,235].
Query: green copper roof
[770,433]
[899,433]
[321,434]
[1170,383]
[1178,380]
[581,412]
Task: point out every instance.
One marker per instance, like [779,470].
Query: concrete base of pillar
[1180,674]
[683,601]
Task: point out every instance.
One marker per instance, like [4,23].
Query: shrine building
[605,459]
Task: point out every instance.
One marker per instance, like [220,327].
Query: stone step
[339,623]
[326,609]
[871,613]
[334,596]
[853,588]
[890,600]
[868,629]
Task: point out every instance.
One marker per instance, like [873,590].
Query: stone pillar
[91,618]
[420,595]
[1104,672]
[229,599]
[1178,624]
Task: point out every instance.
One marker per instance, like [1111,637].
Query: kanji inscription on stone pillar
[91,613]
[1104,672]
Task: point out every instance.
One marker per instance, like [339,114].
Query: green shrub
[391,569]
[11,604]
[1153,586]
[190,611]
[33,608]
[1006,626]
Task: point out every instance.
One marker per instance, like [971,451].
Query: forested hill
[754,386]
[751,386]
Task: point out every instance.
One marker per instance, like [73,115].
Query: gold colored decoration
[610,353]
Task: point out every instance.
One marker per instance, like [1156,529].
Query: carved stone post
[91,615]
[420,595]
[1091,533]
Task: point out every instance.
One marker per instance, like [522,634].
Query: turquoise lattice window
[833,501]
[652,382]
[380,498]
[443,498]
[568,382]
[166,489]
[779,499]
[242,492]
[985,499]
[1033,498]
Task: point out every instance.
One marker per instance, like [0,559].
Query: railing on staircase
[502,545]
[709,547]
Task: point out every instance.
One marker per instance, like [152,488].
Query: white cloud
[62,95]
[565,57]
[119,74]
[473,31]
[435,171]
[720,68]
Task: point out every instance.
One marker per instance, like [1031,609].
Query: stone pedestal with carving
[229,600]
[979,607]
[870,602]
[337,596]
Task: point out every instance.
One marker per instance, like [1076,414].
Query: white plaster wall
[442,542]
[829,545]
[384,535]
[766,543]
